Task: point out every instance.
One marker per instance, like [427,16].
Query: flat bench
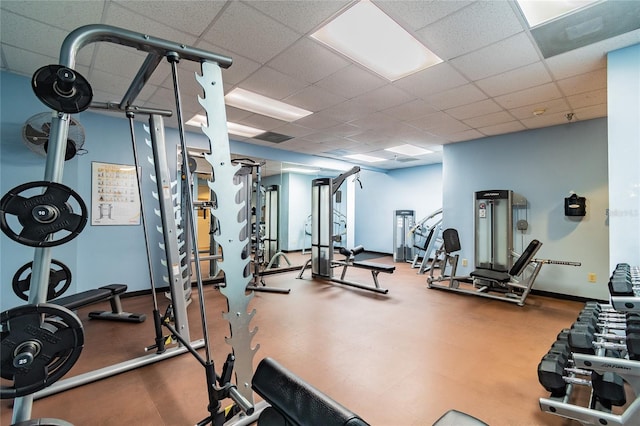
[377,267]
[109,292]
[295,402]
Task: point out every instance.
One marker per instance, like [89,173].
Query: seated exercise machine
[349,261]
[294,402]
[427,233]
[511,286]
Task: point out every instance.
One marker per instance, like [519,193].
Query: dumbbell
[555,372]
[583,338]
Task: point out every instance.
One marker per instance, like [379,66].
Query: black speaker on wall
[575,206]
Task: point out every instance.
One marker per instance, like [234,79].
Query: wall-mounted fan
[35,134]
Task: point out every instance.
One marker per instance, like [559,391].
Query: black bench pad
[458,418]
[296,402]
[88,297]
[490,274]
[381,267]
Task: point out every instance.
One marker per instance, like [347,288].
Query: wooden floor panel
[403,358]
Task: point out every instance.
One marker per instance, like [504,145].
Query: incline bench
[109,292]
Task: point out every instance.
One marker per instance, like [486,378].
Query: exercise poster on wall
[114,195]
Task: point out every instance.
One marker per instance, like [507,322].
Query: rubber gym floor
[399,359]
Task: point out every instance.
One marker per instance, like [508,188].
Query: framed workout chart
[114,194]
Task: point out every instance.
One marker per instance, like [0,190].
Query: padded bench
[109,292]
[376,267]
[296,403]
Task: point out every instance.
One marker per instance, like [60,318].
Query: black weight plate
[56,330]
[36,231]
[62,88]
[59,280]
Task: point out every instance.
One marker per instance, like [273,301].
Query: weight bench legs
[117,314]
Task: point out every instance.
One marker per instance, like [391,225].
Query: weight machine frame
[158,49]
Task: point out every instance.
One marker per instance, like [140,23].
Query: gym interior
[280,277]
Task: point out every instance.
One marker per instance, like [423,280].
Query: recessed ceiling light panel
[365,158]
[249,101]
[537,12]
[410,150]
[370,37]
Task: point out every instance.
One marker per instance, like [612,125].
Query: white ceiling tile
[302,16]
[439,124]
[319,137]
[550,107]
[250,33]
[529,96]
[240,68]
[431,80]
[368,136]
[344,130]
[293,130]
[193,20]
[128,60]
[418,14]
[545,120]
[25,63]
[584,82]
[261,122]
[384,97]
[348,111]
[594,111]
[308,61]
[119,17]
[518,79]
[489,120]
[476,109]
[376,121]
[461,95]
[318,121]
[492,60]
[273,84]
[586,99]
[67,15]
[314,99]
[351,82]
[471,28]
[17,31]
[465,135]
[448,127]
[411,110]
[502,128]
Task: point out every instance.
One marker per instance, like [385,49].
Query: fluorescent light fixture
[299,170]
[244,99]
[365,158]
[242,130]
[410,150]
[197,120]
[367,35]
[234,128]
[537,12]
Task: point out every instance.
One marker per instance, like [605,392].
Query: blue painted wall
[543,165]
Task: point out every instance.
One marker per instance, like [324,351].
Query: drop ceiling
[492,78]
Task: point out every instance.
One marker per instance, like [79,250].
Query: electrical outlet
[591,277]
[465,262]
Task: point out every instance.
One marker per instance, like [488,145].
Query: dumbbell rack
[601,363]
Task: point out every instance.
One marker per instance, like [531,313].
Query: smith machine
[33,363]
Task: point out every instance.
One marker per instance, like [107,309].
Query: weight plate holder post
[59,280]
[41,216]
[40,344]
